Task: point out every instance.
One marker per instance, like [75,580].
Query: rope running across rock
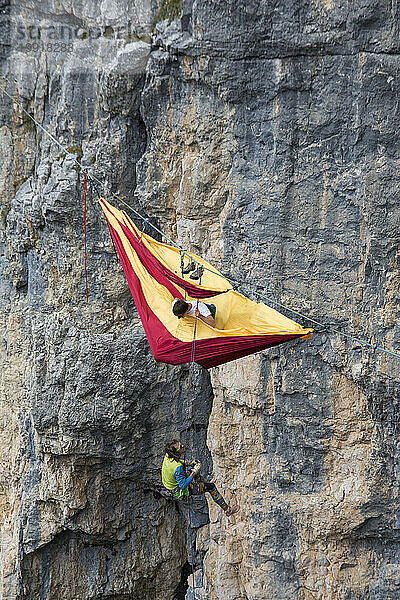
[243,285]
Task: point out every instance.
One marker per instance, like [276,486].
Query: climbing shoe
[190,267]
[232,510]
[197,273]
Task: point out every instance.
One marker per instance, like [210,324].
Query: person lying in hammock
[182,484]
[205,312]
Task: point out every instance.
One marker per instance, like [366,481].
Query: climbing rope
[243,285]
[191,367]
[143,228]
[84,231]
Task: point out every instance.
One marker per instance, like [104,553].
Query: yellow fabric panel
[236,315]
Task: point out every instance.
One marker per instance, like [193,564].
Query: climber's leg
[216,495]
[198,486]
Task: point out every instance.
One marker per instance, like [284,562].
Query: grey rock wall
[84,409]
[264,136]
[308,442]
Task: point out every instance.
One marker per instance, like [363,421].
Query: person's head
[175,449]
[179,307]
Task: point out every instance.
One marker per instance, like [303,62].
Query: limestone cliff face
[264,136]
[84,409]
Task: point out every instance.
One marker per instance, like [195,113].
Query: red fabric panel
[157,334]
[160,272]
[217,351]
[167,348]
[224,350]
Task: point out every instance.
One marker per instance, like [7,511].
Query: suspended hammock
[154,276]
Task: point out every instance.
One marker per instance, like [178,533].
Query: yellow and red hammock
[154,277]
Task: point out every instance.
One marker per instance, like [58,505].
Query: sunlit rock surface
[265,137]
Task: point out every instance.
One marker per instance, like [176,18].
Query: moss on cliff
[169,9]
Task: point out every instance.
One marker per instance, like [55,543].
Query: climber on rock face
[182,483]
[205,312]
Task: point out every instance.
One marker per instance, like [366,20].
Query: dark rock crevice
[181,589]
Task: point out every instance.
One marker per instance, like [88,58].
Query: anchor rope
[231,280]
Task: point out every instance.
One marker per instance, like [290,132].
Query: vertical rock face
[303,437]
[84,409]
[263,136]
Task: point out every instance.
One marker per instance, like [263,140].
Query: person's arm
[182,481]
[209,319]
